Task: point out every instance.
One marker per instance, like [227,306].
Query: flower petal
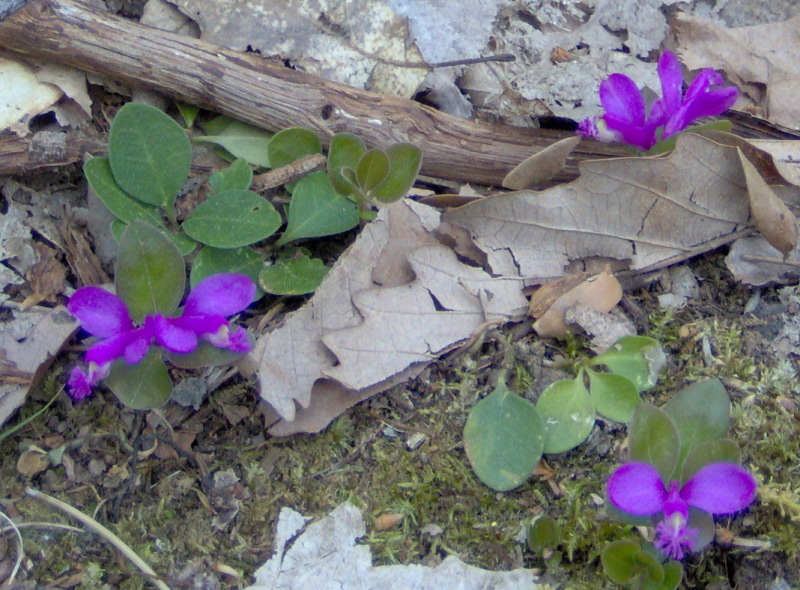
[136,350]
[100,312]
[108,350]
[669,72]
[708,104]
[720,488]
[174,338]
[80,384]
[621,98]
[222,294]
[641,136]
[637,489]
[199,324]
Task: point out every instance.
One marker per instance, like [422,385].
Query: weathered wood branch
[250,88]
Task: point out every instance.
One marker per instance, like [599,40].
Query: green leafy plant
[372,175]
[682,472]
[564,414]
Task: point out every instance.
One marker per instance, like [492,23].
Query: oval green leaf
[504,439]
[345,152]
[232,220]
[544,532]
[236,177]
[701,413]
[150,154]
[638,358]
[142,386]
[213,261]
[653,438]
[123,206]
[673,574]
[405,160]
[317,210]
[704,523]
[292,144]
[238,139]
[723,450]
[150,274]
[619,560]
[372,169]
[293,276]
[614,396]
[188,113]
[568,415]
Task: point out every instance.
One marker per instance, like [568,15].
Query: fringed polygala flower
[627,118]
[106,316]
[718,488]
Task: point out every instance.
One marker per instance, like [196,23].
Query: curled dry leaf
[771,216]
[601,293]
[541,166]
[387,520]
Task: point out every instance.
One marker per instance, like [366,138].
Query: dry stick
[250,88]
[98,528]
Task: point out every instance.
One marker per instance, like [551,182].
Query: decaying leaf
[601,293]
[754,262]
[771,216]
[604,328]
[648,211]
[326,555]
[22,96]
[387,520]
[541,166]
[27,345]
[757,59]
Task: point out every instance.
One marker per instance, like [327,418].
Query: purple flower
[718,488]
[204,316]
[626,118]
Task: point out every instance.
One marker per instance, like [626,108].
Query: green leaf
[123,206]
[188,112]
[405,161]
[142,386]
[614,396]
[568,414]
[673,574]
[232,220]
[184,243]
[292,144]
[638,358]
[704,523]
[293,276]
[150,274]
[317,210]
[150,154]
[668,144]
[345,152]
[117,229]
[236,177]
[722,450]
[654,439]
[504,439]
[372,169]
[701,413]
[238,139]
[205,355]
[544,532]
[619,560]
[213,261]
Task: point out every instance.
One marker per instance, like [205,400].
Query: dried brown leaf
[600,293]
[757,59]
[541,166]
[772,217]
[754,262]
[387,520]
[648,211]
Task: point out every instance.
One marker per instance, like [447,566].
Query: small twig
[20,552]
[771,260]
[42,525]
[293,171]
[98,528]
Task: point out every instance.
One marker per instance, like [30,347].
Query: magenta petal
[669,72]
[622,99]
[80,384]
[136,350]
[108,350]
[174,338]
[199,324]
[99,312]
[708,104]
[223,295]
[637,489]
[641,136]
[720,488]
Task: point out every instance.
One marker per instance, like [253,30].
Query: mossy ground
[168,514]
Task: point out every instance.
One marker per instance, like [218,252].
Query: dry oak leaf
[651,212]
[760,60]
[292,357]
